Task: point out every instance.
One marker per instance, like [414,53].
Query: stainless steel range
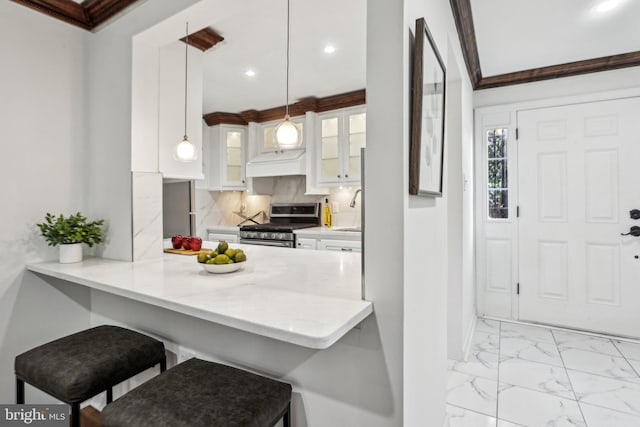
[285,218]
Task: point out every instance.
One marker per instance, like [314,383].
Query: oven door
[278,243]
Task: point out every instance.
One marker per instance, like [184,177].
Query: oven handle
[282,244]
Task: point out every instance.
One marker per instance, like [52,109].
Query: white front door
[578,180]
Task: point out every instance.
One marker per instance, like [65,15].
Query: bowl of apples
[222,260]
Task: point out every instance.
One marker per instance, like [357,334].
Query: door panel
[576,185]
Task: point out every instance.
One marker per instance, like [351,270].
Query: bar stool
[80,366]
[197,393]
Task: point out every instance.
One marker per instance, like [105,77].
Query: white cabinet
[266,134]
[226,158]
[339,137]
[339,245]
[304,243]
[227,237]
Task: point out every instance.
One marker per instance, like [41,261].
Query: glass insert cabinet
[340,136]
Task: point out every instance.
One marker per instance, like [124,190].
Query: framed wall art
[426,150]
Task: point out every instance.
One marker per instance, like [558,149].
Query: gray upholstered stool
[79,366]
[196,393]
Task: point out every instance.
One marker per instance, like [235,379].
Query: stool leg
[109,395]
[286,419]
[75,415]
[163,365]
[19,391]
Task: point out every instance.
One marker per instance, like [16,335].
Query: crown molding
[595,65]
[87,15]
[308,104]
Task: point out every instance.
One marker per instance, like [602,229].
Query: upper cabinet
[340,136]
[225,158]
[266,138]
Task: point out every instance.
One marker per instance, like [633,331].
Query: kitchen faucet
[352,204]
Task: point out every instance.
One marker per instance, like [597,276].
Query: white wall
[109,88]
[426,230]
[409,297]
[43,132]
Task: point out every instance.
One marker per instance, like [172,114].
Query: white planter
[70,253]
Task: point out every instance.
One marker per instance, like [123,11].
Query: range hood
[277,163]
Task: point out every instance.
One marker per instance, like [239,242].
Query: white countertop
[223,229]
[328,233]
[286,294]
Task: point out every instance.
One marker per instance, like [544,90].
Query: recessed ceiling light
[249,73]
[606,6]
[329,49]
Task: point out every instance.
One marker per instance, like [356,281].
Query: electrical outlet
[335,207]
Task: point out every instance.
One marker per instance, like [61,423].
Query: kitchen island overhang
[307,298]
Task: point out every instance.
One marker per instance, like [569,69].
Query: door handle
[634,214]
[634,231]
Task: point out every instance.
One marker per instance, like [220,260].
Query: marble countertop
[329,233]
[286,294]
[223,229]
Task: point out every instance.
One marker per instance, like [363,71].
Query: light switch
[335,207]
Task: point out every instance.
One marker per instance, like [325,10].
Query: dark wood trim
[100,11]
[311,104]
[595,65]
[204,39]
[466,33]
[344,100]
[87,15]
[217,118]
[64,10]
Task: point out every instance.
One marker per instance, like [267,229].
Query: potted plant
[70,233]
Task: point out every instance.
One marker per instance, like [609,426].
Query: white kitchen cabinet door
[339,245]
[302,243]
[227,158]
[218,237]
[339,136]
[266,134]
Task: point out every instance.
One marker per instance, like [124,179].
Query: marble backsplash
[216,208]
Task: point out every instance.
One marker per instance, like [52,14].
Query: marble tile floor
[531,376]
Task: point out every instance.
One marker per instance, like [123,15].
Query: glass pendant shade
[288,135]
[185,151]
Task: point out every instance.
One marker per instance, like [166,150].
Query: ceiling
[255,39]
[506,42]
[520,35]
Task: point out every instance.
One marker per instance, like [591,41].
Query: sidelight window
[497,174]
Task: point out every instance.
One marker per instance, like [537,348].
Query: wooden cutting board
[186,252]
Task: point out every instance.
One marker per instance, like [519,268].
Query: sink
[355,229]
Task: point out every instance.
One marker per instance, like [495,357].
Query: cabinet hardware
[346,249]
[338,176]
[346,175]
[634,214]
[518,288]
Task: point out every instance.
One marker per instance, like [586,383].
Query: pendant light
[185,150]
[287,134]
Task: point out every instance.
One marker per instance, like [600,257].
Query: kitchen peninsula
[300,297]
